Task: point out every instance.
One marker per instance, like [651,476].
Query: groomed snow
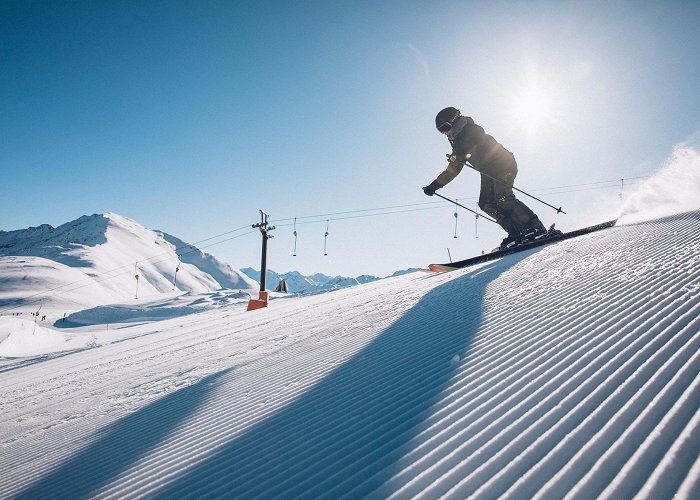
[572,370]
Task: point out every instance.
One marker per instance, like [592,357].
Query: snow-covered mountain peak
[108,250]
[49,241]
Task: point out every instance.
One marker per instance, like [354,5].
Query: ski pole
[559,210]
[465,208]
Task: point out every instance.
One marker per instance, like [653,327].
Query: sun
[533,108]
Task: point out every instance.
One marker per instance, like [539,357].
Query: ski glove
[430,189]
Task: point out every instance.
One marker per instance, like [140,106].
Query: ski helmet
[446,118]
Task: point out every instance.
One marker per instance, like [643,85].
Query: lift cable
[327,217]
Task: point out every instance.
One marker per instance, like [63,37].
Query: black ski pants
[497,199]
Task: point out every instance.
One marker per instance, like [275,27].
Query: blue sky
[190,116]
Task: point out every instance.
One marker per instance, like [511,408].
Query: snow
[572,370]
[93,261]
[675,188]
[169,306]
[23,337]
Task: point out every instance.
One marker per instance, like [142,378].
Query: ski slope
[571,370]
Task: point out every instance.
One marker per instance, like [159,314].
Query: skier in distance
[498,170]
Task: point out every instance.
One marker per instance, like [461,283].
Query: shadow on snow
[121,444]
[346,434]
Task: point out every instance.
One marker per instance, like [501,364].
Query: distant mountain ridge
[106,258]
[94,260]
[298,283]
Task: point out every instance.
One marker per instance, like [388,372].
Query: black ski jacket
[470,143]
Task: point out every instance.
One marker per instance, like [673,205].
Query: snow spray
[673,189]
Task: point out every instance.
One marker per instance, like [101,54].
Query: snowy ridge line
[99,277]
[88,259]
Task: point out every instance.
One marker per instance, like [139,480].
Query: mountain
[570,370]
[94,260]
[298,283]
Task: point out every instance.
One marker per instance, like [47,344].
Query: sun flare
[533,107]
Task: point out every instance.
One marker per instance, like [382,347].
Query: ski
[519,248]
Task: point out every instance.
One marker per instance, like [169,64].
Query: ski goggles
[445,127]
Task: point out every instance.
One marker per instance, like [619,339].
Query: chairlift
[456,219]
[295,237]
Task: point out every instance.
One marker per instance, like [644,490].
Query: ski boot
[552,231]
[508,242]
[532,234]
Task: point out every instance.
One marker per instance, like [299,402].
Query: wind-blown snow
[674,189]
[572,370]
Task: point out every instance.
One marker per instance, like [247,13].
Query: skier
[498,170]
